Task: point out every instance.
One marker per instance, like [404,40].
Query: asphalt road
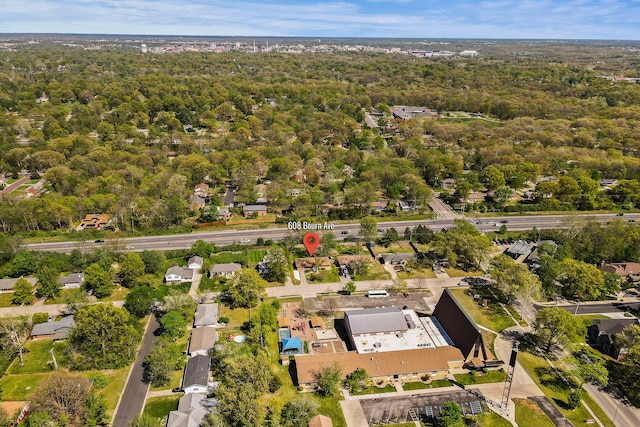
[132,399]
[595,308]
[180,241]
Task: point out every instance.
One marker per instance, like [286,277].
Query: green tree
[153,261]
[140,300]
[103,337]
[202,248]
[580,280]
[298,412]
[144,420]
[591,368]
[327,380]
[48,285]
[98,281]
[515,280]
[556,325]
[247,288]
[164,358]
[173,325]
[131,268]
[349,287]
[277,264]
[492,178]
[75,299]
[368,228]
[22,292]
[23,264]
[450,416]
[357,380]
[463,245]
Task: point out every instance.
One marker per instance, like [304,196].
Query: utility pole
[53,356]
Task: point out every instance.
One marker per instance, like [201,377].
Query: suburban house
[312,264]
[603,333]
[196,202]
[202,340]
[6,285]
[627,270]
[195,263]
[201,190]
[224,213]
[254,210]
[53,330]
[35,190]
[206,315]
[406,206]
[226,270]
[71,281]
[177,274]
[3,180]
[95,222]
[347,262]
[380,205]
[399,261]
[192,408]
[196,374]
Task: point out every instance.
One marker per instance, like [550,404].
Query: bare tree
[12,335]
[420,282]
[330,305]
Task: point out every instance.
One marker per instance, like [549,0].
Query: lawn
[118,295]
[328,276]
[375,390]
[37,357]
[5,300]
[237,317]
[330,407]
[454,272]
[528,413]
[255,256]
[376,272]
[399,247]
[112,391]
[20,387]
[159,407]
[492,419]
[481,378]
[228,257]
[493,317]
[557,390]
[416,273]
[421,386]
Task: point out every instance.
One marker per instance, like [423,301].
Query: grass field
[159,407]
[237,317]
[416,273]
[481,378]
[5,300]
[492,419]
[493,317]
[112,391]
[557,390]
[528,413]
[20,387]
[328,276]
[376,272]
[38,359]
[398,247]
[454,272]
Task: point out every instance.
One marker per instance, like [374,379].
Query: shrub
[223,320]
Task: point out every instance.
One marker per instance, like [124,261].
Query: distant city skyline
[534,19]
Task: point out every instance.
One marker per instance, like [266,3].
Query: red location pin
[311,242]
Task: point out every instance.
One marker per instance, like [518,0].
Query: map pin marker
[311,242]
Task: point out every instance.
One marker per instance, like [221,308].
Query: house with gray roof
[206,315]
[53,330]
[398,261]
[196,374]
[202,340]
[6,285]
[257,210]
[195,263]
[177,274]
[71,281]
[226,270]
[192,408]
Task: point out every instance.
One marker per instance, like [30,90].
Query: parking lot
[389,410]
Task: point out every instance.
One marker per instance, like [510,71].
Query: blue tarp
[291,344]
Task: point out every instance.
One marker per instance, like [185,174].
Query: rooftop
[375,320]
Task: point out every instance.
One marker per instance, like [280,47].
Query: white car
[245,240]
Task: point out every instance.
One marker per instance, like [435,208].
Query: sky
[536,19]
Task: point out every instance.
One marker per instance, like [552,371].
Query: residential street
[132,400]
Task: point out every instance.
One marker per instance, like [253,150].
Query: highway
[225,237]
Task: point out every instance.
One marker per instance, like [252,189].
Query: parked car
[244,240]
[99,241]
